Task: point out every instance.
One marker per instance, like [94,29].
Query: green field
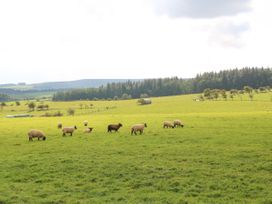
[222,155]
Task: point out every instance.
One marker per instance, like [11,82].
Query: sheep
[138,128]
[168,124]
[114,127]
[85,123]
[178,123]
[88,130]
[68,130]
[36,133]
[59,125]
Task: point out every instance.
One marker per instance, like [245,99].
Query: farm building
[144,101]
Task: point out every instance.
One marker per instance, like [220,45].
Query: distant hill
[83,83]
[62,85]
[47,89]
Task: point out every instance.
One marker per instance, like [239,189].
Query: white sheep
[68,130]
[168,124]
[138,128]
[178,123]
[88,130]
[36,133]
[85,123]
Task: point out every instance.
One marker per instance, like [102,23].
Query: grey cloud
[200,8]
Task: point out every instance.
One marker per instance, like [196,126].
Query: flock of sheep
[111,127]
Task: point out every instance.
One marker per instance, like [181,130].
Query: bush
[31,106]
[3,104]
[71,111]
[144,95]
[126,96]
[57,114]
[42,107]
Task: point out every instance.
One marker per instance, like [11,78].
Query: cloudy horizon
[60,40]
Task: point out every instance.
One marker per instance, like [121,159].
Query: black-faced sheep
[114,127]
[85,123]
[36,133]
[88,130]
[178,123]
[168,124]
[138,128]
[68,130]
[59,125]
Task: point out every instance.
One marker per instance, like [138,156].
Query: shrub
[31,106]
[57,114]
[126,96]
[3,104]
[144,95]
[70,111]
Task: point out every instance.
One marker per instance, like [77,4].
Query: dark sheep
[59,125]
[114,127]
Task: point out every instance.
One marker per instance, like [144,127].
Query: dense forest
[227,79]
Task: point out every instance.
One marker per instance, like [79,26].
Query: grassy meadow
[222,155]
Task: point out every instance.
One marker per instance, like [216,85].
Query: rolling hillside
[222,155]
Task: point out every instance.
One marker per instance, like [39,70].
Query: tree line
[4,97]
[227,80]
[215,94]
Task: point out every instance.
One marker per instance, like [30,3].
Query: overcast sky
[59,40]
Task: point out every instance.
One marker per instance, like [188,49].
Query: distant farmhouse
[144,101]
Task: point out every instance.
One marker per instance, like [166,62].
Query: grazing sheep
[114,127]
[138,128]
[88,130]
[68,130]
[178,123]
[85,123]
[168,124]
[59,125]
[36,133]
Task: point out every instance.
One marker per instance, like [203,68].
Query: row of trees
[126,90]
[233,79]
[4,97]
[229,79]
[214,94]
[31,105]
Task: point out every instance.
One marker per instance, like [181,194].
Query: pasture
[222,155]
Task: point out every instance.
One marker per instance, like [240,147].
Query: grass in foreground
[223,155]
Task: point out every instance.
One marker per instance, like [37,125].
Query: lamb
[114,127]
[68,130]
[88,130]
[59,125]
[168,124]
[138,128]
[178,123]
[85,123]
[36,133]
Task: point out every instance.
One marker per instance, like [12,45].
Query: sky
[61,40]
